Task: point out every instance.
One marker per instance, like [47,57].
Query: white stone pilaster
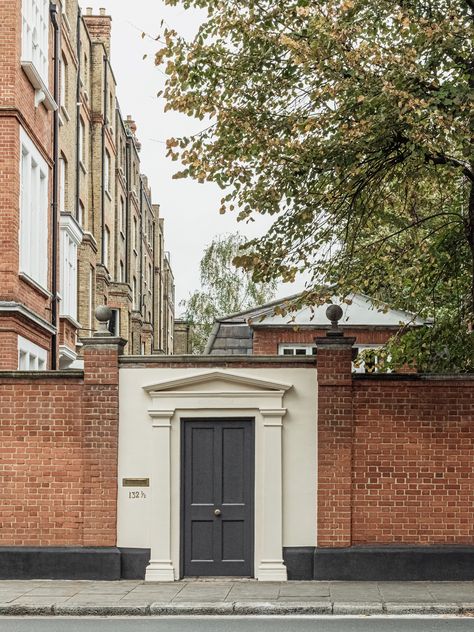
[271,566]
[160,568]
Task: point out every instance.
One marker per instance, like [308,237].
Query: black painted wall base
[357,563]
[395,563]
[383,563]
[26,562]
[99,563]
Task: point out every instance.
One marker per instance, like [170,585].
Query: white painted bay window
[35,35]
[34,216]
[71,236]
[31,357]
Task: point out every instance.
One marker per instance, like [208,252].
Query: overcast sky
[190,209]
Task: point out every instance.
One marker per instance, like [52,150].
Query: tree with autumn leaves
[351,123]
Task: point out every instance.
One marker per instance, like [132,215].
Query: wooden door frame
[204,419]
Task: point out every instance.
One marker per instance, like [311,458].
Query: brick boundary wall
[59,452]
[395,455]
[413,461]
[41,464]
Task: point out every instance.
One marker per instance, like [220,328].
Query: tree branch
[448,160]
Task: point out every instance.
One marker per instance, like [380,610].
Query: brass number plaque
[136,482]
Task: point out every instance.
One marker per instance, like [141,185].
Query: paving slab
[457,592]
[9,597]
[256,592]
[57,591]
[25,600]
[304,589]
[203,592]
[365,592]
[411,592]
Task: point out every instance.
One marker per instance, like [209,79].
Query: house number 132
[136,495]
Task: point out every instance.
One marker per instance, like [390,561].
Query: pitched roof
[233,333]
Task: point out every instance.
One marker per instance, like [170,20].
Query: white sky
[190,209]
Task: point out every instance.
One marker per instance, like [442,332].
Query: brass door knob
[217,512]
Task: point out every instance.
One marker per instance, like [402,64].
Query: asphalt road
[235,624]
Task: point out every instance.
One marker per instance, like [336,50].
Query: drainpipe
[78,111]
[104,124]
[55,193]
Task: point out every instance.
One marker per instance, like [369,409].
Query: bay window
[31,357]
[35,35]
[71,236]
[34,216]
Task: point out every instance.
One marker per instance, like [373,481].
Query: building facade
[77,224]
[280,467]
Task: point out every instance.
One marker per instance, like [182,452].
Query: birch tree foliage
[351,122]
[224,290]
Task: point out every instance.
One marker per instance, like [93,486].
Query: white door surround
[216,394]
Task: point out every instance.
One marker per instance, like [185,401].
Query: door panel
[218,488]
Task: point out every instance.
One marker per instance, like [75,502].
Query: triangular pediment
[216,381]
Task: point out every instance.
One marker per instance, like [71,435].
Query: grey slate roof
[230,339]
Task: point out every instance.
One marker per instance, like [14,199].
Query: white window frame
[35,37]
[365,347]
[34,212]
[31,357]
[307,348]
[71,237]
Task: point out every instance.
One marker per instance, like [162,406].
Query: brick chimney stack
[100,27]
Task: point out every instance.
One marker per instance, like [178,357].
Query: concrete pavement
[233,597]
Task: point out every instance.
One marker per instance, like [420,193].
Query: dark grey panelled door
[218,494]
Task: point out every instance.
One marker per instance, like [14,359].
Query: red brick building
[28,274]
[78,227]
[264,330]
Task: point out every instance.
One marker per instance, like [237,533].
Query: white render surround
[283,404]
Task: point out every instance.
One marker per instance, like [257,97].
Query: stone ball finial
[103,314]
[334,313]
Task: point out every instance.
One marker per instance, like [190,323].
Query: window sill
[42,94]
[37,286]
[71,319]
